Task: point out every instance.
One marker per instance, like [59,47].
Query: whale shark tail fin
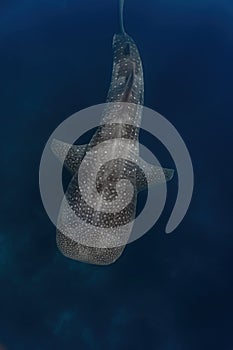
[122,16]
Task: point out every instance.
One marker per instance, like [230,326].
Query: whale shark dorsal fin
[154,175]
[70,155]
[122,17]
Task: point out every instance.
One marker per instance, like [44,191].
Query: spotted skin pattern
[87,229]
[126,86]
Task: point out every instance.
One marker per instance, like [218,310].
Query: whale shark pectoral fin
[70,155]
[153,175]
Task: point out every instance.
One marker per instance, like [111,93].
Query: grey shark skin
[120,121]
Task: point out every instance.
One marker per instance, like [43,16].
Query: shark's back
[88,231]
[118,122]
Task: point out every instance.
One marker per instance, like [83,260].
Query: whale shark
[95,220]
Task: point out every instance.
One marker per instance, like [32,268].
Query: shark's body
[94,238]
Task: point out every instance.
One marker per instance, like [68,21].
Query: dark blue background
[167,292]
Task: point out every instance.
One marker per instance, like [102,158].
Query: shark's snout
[90,255]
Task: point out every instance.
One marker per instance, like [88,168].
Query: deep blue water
[167,292]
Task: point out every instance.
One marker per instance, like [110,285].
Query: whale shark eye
[127,50]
